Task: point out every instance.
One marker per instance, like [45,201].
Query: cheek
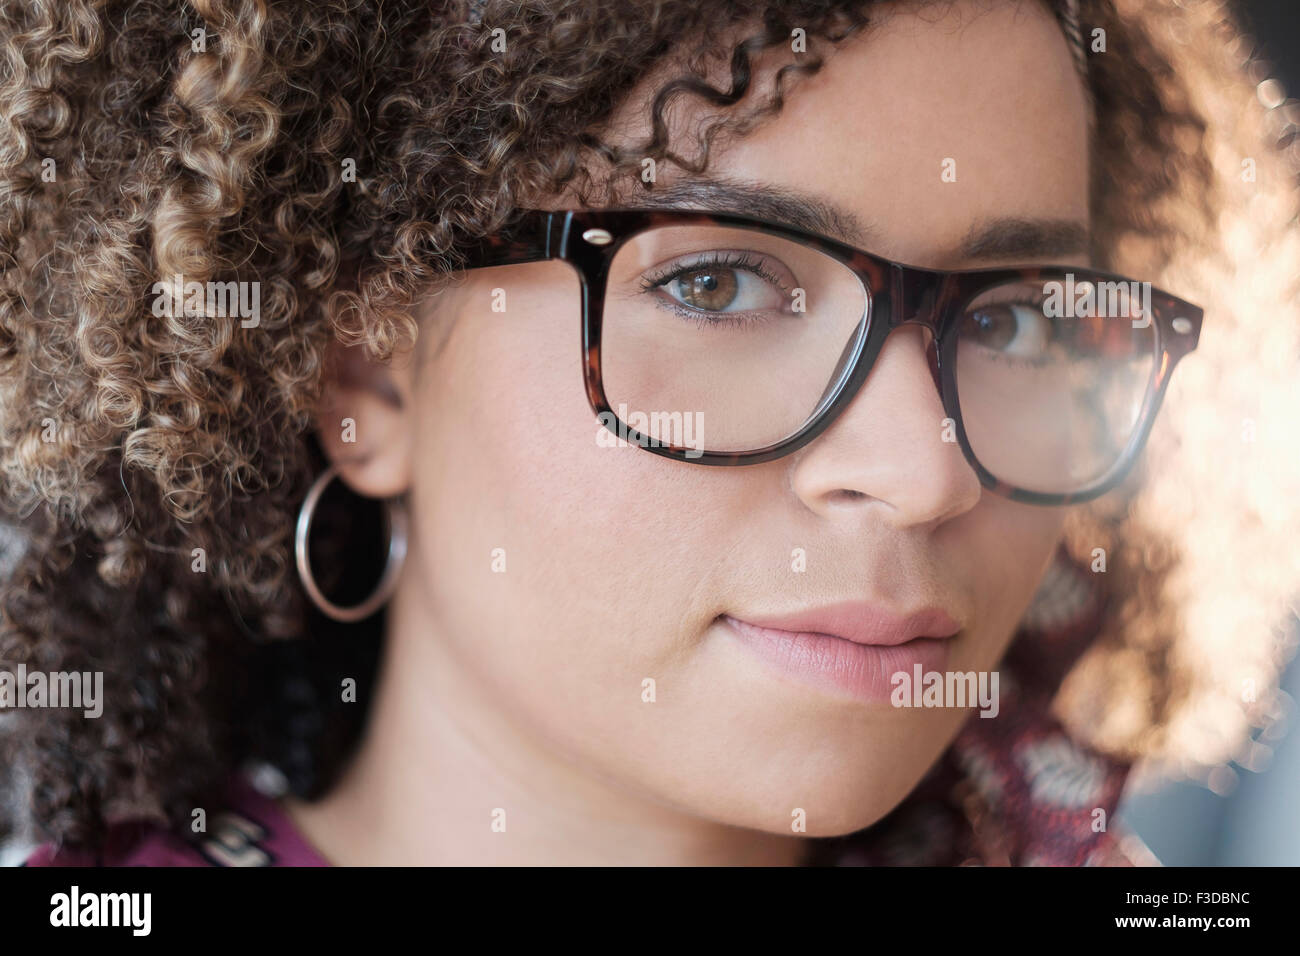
[549,559]
[1005,547]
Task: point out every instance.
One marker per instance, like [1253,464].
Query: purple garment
[249,830]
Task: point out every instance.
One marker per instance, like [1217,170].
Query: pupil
[991,328]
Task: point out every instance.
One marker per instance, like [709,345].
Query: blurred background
[1238,816]
[1276,25]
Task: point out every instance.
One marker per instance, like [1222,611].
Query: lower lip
[861,671]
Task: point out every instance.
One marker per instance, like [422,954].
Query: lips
[854,649]
[861,623]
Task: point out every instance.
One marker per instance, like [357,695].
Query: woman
[828,460]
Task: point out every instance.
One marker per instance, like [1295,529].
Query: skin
[522,690]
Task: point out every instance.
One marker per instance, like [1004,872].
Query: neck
[445,776]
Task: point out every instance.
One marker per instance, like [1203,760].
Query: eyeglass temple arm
[538,236]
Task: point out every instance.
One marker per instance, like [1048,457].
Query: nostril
[848,496]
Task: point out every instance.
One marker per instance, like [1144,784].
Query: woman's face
[551,576]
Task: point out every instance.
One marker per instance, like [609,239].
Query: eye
[723,283]
[1013,328]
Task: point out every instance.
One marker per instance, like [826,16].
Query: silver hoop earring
[397,527]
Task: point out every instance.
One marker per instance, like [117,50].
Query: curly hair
[343,154]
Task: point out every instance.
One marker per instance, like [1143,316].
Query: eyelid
[687,261]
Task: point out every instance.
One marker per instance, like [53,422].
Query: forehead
[934,121]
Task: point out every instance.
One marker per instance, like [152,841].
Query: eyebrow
[1004,239]
[1015,238]
[760,201]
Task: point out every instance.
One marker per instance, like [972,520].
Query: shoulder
[249,829]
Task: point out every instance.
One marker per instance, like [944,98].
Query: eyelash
[729,260]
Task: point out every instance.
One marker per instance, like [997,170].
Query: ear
[364,420]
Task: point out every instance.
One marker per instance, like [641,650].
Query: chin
[832,804]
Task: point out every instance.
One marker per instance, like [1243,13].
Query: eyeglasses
[718,339]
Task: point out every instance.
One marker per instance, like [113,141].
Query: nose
[890,450]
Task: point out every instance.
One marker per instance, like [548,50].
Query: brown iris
[709,290]
[991,326]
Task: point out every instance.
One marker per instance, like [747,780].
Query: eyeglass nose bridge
[915,297]
[901,295]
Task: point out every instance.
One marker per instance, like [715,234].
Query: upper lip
[862,623]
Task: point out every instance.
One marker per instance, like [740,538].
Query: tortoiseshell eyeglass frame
[896,294]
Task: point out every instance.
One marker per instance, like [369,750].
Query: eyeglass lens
[742,337]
